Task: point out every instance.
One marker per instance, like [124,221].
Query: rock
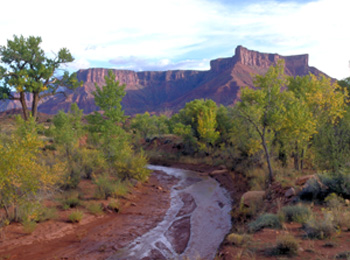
[303,179]
[179,233]
[218,172]
[290,193]
[155,255]
[251,197]
[174,88]
[189,204]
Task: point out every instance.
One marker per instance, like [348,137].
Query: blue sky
[183,34]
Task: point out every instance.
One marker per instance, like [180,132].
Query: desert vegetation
[289,137]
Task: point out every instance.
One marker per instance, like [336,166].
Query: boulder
[251,197]
[290,193]
[303,179]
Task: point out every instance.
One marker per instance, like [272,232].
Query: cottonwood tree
[109,135]
[197,123]
[318,101]
[25,69]
[264,107]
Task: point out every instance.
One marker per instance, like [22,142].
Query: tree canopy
[25,69]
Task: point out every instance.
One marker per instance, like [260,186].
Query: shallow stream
[194,226]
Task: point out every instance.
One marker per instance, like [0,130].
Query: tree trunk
[302,160]
[296,158]
[270,178]
[22,99]
[35,105]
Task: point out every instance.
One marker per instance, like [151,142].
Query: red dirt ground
[95,237]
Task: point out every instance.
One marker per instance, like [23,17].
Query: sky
[145,35]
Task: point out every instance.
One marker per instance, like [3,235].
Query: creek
[194,226]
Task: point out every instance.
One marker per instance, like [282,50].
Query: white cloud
[166,34]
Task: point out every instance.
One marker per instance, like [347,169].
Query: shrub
[70,202]
[237,239]
[107,187]
[341,218]
[333,201]
[343,255]
[286,245]
[114,205]
[46,214]
[338,182]
[296,213]
[319,228]
[75,216]
[266,220]
[95,209]
[29,226]
[315,190]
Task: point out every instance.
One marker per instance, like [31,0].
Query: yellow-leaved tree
[22,175]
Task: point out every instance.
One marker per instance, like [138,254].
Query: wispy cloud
[183,34]
[139,64]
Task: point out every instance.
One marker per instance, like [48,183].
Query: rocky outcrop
[168,91]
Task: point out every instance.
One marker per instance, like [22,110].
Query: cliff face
[168,91]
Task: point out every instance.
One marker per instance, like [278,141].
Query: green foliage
[264,107]
[107,187]
[29,226]
[144,125]
[70,199]
[333,201]
[296,213]
[133,167]
[197,124]
[337,182]
[110,138]
[332,144]
[319,227]
[266,220]
[95,208]
[286,245]
[114,205]
[108,98]
[66,131]
[314,190]
[238,239]
[22,175]
[25,67]
[76,216]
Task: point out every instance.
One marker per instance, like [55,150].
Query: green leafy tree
[264,108]
[200,116]
[144,125]
[332,144]
[25,69]
[66,130]
[318,101]
[110,137]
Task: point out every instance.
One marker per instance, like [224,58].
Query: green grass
[296,213]
[95,209]
[76,216]
[266,220]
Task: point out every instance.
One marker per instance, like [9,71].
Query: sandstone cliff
[168,91]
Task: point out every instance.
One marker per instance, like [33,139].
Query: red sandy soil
[262,241]
[95,237]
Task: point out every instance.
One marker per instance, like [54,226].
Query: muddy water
[194,226]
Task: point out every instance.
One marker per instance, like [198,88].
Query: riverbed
[194,226]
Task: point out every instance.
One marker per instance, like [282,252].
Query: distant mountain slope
[169,91]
